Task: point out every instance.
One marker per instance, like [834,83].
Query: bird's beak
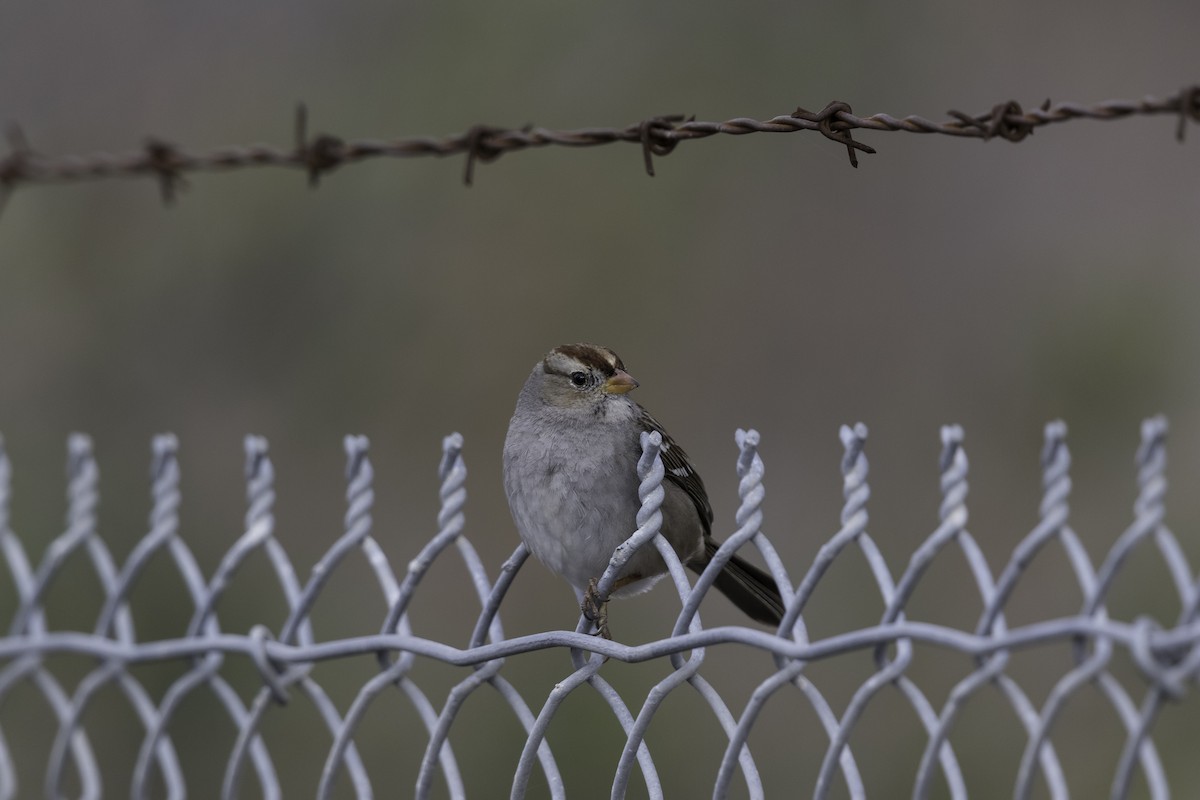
[620,383]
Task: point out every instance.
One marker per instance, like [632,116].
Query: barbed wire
[1168,660]
[657,136]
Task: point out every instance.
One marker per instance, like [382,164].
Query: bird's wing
[680,472]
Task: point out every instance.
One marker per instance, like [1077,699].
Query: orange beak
[620,383]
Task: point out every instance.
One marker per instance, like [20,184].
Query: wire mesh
[1167,659]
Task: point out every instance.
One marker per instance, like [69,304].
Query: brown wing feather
[751,589]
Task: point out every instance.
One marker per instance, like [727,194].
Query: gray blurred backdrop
[756,282]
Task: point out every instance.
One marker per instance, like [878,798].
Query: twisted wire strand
[954,486]
[451,516]
[259,526]
[657,136]
[164,524]
[684,670]
[952,513]
[1169,659]
[749,520]
[450,525]
[18,565]
[30,619]
[856,492]
[359,498]
[1093,668]
[649,521]
[1166,681]
[30,666]
[258,646]
[259,533]
[1053,512]
[357,521]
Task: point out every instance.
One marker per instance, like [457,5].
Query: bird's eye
[578,378]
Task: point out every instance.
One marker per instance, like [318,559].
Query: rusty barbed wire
[657,136]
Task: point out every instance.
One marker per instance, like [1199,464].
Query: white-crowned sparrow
[570,473]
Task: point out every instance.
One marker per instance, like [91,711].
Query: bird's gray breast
[573,494]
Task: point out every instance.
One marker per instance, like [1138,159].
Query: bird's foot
[595,608]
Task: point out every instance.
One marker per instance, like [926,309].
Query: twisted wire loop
[749,520]
[1057,486]
[30,622]
[656,136]
[1166,672]
[854,518]
[1166,653]
[895,596]
[649,519]
[297,628]
[1093,668]
[259,528]
[115,619]
[451,518]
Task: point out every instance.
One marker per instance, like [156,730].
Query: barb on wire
[1189,108]
[164,161]
[825,119]
[656,136]
[15,167]
[319,156]
[283,661]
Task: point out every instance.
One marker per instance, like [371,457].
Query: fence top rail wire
[1167,658]
[657,136]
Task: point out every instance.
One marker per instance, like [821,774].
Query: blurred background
[755,282]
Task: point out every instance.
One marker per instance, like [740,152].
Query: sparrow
[570,475]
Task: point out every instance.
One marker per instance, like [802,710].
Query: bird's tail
[750,589]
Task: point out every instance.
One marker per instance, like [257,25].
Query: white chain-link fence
[1167,659]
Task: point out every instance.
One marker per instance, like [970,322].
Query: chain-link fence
[1167,659]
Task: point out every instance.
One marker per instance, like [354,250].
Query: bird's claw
[595,609]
